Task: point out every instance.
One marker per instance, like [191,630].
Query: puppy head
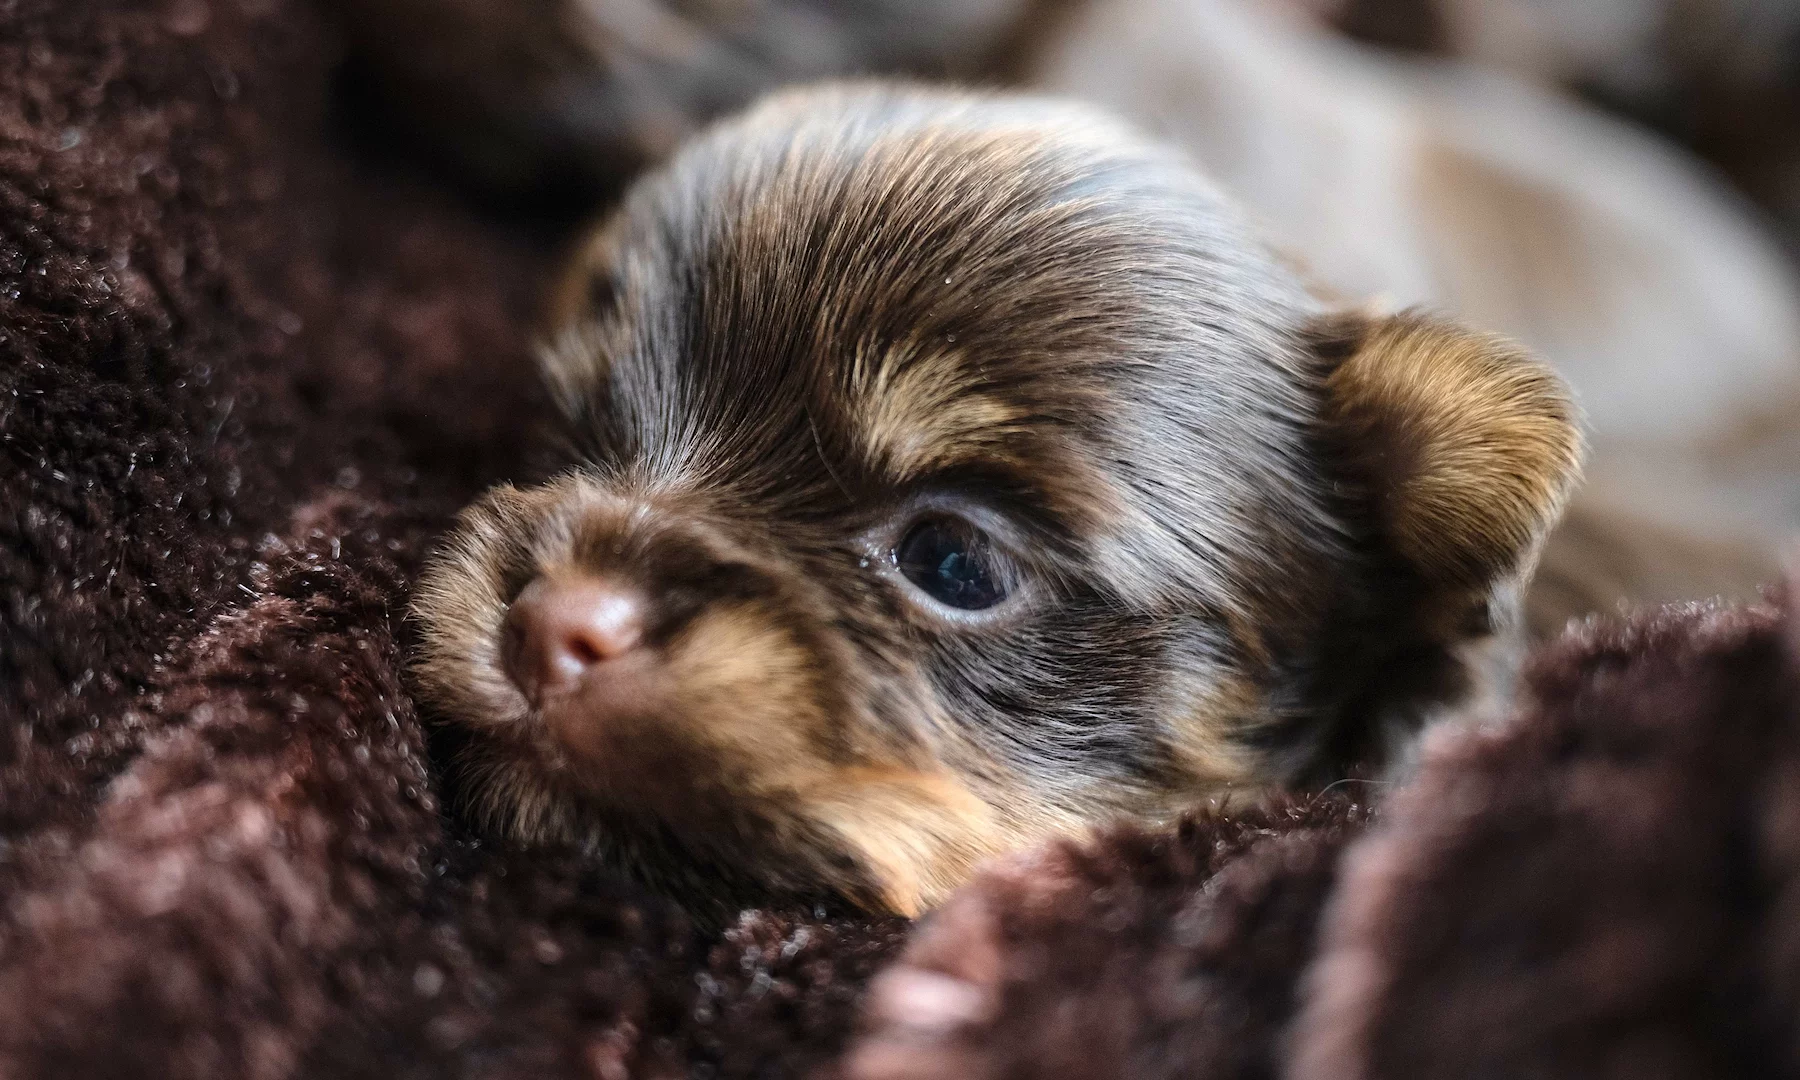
[955,471]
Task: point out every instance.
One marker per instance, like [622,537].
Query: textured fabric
[244,377]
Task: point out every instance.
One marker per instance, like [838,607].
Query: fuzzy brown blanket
[247,371]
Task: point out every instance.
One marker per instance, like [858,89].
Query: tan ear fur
[1468,444]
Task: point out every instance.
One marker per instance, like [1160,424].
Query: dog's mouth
[883,838]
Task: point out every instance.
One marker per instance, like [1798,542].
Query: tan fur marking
[459,605]
[921,416]
[1208,741]
[919,833]
[749,691]
[1473,442]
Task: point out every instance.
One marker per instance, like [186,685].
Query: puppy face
[954,471]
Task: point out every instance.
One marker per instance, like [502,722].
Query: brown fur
[1248,539]
[1473,444]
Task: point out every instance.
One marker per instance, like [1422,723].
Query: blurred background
[1614,182]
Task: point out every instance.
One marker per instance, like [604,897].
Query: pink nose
[562,627]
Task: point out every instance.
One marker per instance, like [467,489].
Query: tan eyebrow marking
[919,415]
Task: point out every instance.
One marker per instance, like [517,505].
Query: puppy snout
[562,628]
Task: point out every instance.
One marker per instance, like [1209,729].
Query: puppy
[1647,283]
[952,472]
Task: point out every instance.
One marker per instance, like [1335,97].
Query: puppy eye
[952,562]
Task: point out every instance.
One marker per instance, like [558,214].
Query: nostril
[562,626]
[585,651]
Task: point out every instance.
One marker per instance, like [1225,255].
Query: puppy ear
[1465,446]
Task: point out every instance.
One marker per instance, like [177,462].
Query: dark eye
[952,562]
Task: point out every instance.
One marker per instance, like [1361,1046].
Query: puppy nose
[562,627]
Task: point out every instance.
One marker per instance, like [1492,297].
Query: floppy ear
[1464,446]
